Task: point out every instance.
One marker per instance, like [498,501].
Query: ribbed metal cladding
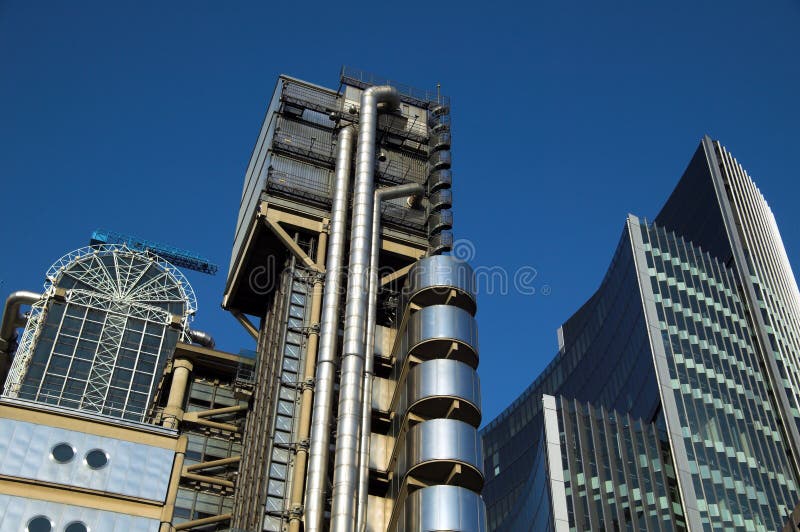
[443,450]
[770,283]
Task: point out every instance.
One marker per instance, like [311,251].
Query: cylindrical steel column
[173,412]
[345,473]
[329,332]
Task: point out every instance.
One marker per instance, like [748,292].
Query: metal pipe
[329,337]
[202,338]
[399,191]
[12,317]
[186,525]
[213,463]
[345,471]
[307,395]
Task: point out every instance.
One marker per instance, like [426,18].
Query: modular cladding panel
[19,513]
[71,458]
[724,421]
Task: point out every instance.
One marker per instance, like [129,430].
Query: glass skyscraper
[672,403]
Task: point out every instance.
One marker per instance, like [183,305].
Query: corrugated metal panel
[15,512]
[133,469]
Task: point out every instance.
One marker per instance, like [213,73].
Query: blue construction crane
[176,256]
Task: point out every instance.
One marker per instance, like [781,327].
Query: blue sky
[140,117]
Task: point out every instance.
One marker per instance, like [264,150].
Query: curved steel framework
[136,277]
[98,339]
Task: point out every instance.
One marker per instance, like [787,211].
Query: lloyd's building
[366,407]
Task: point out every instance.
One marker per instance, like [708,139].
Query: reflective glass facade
[736,456]
[692,336]
[604,358]
[597,469]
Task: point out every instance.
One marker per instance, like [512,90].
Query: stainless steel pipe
[202,338]
[11,315]
[345,473]
[328,340]
[399,191]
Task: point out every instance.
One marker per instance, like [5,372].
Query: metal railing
[314,148]
[419,97]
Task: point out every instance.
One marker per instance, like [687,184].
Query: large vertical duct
[329,331]
[400,191]
[345,471]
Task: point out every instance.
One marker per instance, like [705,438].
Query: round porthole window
[39,523]
[62,453]
[76,526]
[96,459]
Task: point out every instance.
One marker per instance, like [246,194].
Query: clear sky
[140,117]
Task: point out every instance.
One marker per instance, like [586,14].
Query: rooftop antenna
[438,92]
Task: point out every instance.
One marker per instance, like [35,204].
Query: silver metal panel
[432,329]
[441,440]
[431,279]
[440,508]
[133,469]
[15,512]
[438,379]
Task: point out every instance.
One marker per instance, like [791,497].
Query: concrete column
[173,412]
